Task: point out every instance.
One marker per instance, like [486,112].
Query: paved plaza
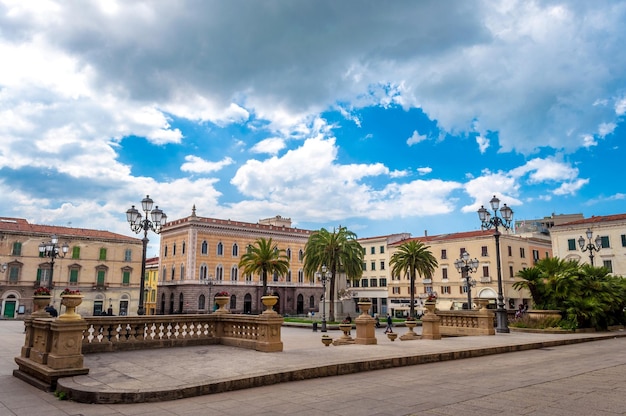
[587,378]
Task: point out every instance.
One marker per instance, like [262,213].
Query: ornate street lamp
[590,246]
[208,280]
[465,266]
[138,224]
[323,276]
[488,222]
[52,250]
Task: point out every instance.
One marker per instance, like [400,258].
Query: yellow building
[516,252]
[151,285]
[199,257]
[104,266]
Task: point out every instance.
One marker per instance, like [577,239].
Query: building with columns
[104,266]
[516,253]
[610,230]
[199,257]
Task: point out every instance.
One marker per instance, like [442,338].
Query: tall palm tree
[264,257]
[339,251]
[413,258]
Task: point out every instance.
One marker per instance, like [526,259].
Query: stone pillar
[430,326]
[52,349]
[270,324]
[67,341]
[485,322]
[365,333]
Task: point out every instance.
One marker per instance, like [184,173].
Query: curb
[84,394]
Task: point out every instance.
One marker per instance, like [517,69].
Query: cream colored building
[199,257]
[516,252]
[104,266]
[374,281]
[612,232]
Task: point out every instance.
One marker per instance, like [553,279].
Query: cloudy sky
[384,117]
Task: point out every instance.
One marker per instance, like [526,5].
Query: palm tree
[339,251]
[413,258]
[264,257]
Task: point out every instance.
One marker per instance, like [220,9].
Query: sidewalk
[174,373]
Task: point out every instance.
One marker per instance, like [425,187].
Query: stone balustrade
[464,322]
[54,348]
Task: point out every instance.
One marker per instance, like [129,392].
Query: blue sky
[384,117]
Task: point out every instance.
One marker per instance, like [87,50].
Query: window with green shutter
[38,276]
[73,276]
[571,244]
[101,276]
[14,274]
[605,241]
[76,252]
[128,254]
[126,278]
[17,248]
[103,254]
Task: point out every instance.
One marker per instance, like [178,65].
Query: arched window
[201,302]
[184,246]
[203,271]
[174,249]
[220,249]
[288,252]
[181,302]
[219,273]
[289,275]
[165,251]
[275,277]
[235,250]
[164,274]
[233,302]
[312,302]
[173,272]
[205,248]
[300,276]
[182,272]
[234,274]
[300,255]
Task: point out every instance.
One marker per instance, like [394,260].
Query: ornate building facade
[516,253]
[199,257]
[104,266]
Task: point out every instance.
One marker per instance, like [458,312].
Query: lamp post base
[324,329]
[141,311]
[502,324]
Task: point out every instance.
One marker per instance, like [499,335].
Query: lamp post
[323,277]
[590,246]
[488,222]
[465,266]
[138,224]
[52,250]
[209,282]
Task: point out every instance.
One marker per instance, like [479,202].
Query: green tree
[413,258]
[587,296]
[263,258]
[339,251]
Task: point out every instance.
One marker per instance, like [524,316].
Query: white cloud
[416,138]
[196,164]
[483,143]
[570,188]
[271,146]
[424,170]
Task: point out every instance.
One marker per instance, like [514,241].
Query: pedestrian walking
[389,324]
